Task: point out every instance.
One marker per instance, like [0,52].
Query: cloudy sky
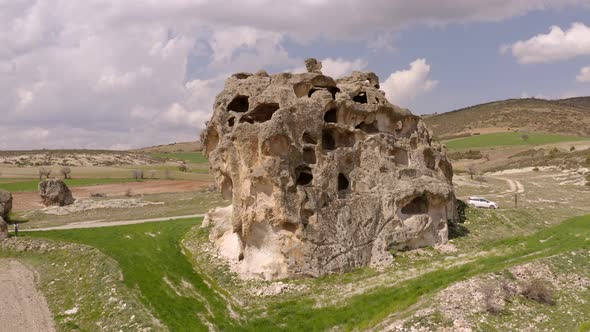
[123,74]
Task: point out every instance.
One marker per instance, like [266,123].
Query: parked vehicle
[480,202]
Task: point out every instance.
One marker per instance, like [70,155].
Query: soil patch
[27,309]
[31,200]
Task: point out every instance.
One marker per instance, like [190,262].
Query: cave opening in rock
[307,138]
[369,128]
[331,115]
[304,176]
[360,98]
[418,205]
[328,141]
[429,159]
[333,90]
[227,187]
[311,91]
[309,155]
[301,89]
[343,183]
[230,121]
[261,113]
[401,157]
[239,104]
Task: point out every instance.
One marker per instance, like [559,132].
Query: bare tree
[168,174]
[44,172]
[137,174]
[471,171]
[525,137]
[66,171]
[152,173]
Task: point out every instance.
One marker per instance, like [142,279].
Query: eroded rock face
[3,229]
[5,203]
[55,192]
[324,175]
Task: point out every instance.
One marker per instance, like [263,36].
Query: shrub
[572,148]
[66,171]
[98,195]
[537,290]
[488,290]
[183,168]
[44,172]
[168,174]
[535,169]
[128,192]
[152,174]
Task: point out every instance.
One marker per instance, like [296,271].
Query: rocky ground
[74,158]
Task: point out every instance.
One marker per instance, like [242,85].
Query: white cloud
[584,75]
[553,46]
[403,86]
[339,67]
[106,73]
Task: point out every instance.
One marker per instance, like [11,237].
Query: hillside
[173,147]
[566,116]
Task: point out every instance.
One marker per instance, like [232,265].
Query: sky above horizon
[126,74]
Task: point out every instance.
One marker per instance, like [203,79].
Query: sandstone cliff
[324,175]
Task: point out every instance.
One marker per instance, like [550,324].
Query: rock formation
[3,229]
[324,175]
[55,192]
[5,203]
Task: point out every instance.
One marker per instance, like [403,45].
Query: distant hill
[173,147]
[565,116]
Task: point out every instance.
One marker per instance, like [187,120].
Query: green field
[509,139]
[22,186]
[192,157]
[182,298]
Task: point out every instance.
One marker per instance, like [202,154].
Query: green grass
[509,139]
[33,185]
[192,157]
[146,261]
[148,254]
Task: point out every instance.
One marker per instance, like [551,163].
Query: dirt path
[101,223]
[30,200]
[22,306]
[516,186]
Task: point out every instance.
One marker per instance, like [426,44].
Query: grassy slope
[146,261]
[148,254]
[566,116]
[509,139]
[192,157]
[33,185]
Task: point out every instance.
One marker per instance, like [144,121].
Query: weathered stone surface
[3,229]
[55,192]
[325,175]
[5,203]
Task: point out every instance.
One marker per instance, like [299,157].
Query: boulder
[324,175]
[5,203]
[55,192]
[3,229]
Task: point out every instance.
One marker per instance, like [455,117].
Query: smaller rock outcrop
[3,229]
[55,192]
[5,203]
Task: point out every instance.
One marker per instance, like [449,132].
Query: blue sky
[113,74]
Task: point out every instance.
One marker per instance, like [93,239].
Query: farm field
[509,139]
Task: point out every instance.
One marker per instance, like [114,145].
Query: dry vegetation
[566,116]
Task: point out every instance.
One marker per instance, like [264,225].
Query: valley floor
[167,277]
